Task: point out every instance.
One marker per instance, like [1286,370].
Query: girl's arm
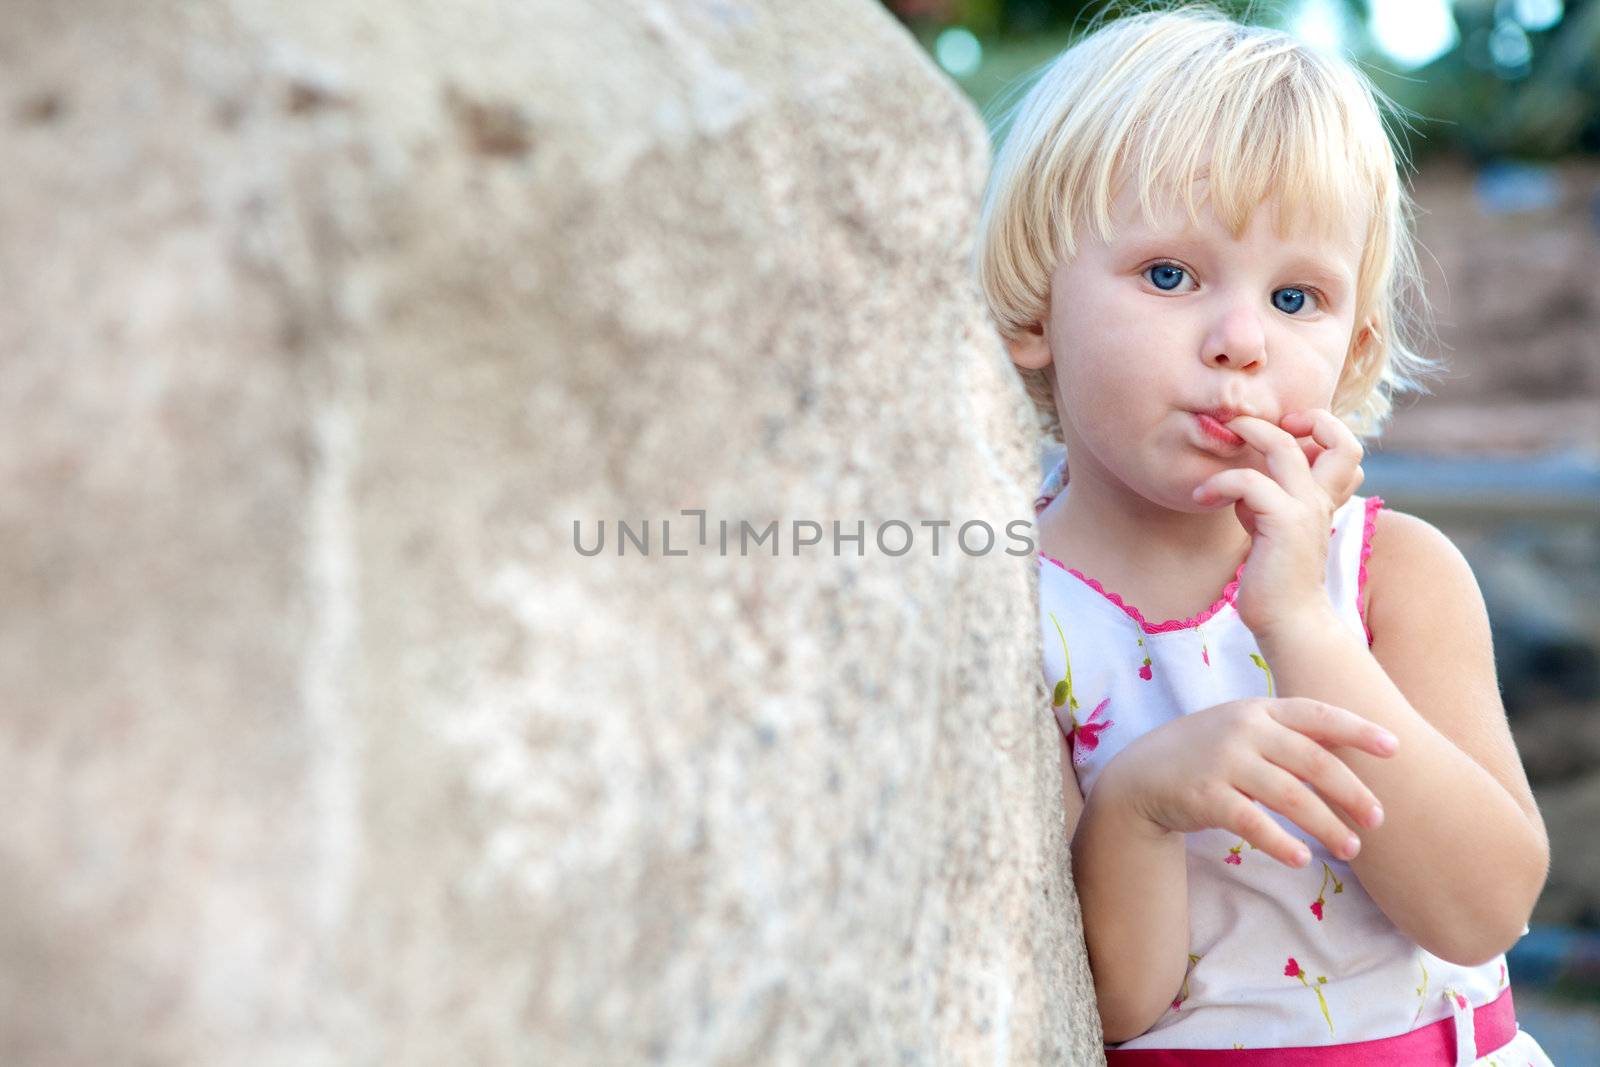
[1133,892]
[1462,854]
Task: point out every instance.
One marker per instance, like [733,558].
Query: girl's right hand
[1204,771]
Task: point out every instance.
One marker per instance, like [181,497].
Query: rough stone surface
[321,744]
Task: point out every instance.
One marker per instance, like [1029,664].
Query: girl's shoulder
[1416,577]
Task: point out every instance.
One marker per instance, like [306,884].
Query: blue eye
[1289,301]
[1164,276]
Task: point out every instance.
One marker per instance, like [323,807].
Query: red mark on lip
[1216,430]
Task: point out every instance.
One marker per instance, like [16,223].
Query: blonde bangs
[1193,106]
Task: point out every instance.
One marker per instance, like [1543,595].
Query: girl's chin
[1205,509]
[1182,499]
[1177,496]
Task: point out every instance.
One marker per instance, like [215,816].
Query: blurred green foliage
[1512,84]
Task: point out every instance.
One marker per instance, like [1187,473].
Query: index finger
[1332,725]
[1286,460]
[1335,468]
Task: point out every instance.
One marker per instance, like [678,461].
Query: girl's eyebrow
[1319,270]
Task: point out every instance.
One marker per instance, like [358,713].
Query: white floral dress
[1279,957]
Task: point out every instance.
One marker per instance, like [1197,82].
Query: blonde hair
[1163,98]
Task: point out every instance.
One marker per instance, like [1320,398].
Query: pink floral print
[1338,887]
[1083,737]
[1293,970]
[1086,734]
[1183,994]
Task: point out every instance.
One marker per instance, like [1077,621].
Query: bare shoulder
[1415,571]
[1429,625]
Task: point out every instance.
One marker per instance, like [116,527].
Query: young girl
[1301,833]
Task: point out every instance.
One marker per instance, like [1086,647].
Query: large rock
[321,743]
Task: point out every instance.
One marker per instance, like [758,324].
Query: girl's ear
[1030,351]
[1365,336]
[1360,346]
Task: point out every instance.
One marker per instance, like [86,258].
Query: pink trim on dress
[1229,591]
[1133,613]
[1373,504]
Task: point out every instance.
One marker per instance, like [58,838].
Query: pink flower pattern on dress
[1294,970]
[1338,887]
[1086,734]
[1082,737]
[1144,669]
[1183,994]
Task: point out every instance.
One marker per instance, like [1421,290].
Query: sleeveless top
[1278,957]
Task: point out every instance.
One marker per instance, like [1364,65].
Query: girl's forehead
[1162,211]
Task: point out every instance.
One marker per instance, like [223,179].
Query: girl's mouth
[1216,431]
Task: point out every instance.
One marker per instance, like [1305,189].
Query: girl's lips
[1215,432]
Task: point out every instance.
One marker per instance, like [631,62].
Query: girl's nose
[1236,341]
[1237,360]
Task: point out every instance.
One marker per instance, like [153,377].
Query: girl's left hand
[1288,515]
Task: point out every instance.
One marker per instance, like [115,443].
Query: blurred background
[1498,109]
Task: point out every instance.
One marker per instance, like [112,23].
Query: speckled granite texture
[321,743]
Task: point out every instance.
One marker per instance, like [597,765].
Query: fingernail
[1351,846]
[1388,741]
[1302,857]
[1375,816]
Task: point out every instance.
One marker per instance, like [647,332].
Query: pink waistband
[1493,1025]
